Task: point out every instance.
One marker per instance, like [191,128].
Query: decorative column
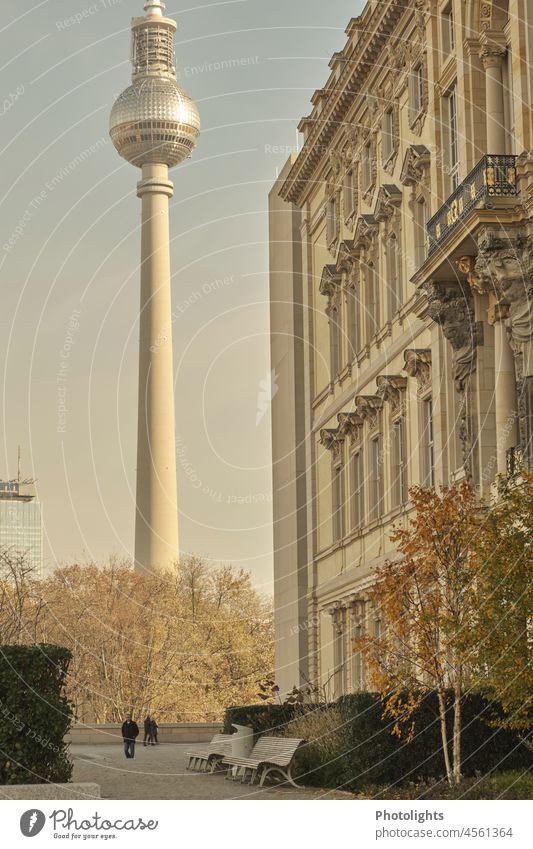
[492,53]
[506,402]
[506,265]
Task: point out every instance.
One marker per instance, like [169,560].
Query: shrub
[351,744]
[321,760]
[262,718]
[34,714]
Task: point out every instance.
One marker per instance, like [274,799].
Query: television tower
[155,125]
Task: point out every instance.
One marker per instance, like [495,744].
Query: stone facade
[406,310]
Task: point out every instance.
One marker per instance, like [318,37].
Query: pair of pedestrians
[150,731]
[130,732]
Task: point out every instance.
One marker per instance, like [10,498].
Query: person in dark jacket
[153,731]
[147,730]
[130,732]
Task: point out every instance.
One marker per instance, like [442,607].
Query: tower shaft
[156,521]
[155,125]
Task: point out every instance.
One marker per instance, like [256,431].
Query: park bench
[207,760]
[269,755]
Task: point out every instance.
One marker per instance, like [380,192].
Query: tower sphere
[154,120]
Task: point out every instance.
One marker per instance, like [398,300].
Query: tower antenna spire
[154,7]
[18,466]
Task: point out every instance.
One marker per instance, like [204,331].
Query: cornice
[341,92]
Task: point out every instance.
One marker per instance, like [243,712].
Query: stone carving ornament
[332,440]
[451,306]
[505,267]
[369,407]
[392,389]
[418,364]
[350,424]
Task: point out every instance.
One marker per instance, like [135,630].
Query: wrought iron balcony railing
[493,176]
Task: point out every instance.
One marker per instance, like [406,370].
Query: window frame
[387,135]
[367,176]
[427,442]
[421,218]
[375,477]
[394,272]
[348,194]
[453,138]
[357,490]
[331,220]
[448,30]
[399,484]
[338,498]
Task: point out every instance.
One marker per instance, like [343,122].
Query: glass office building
[21,521]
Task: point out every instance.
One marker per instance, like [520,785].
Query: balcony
[494,176]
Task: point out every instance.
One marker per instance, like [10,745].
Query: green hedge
[375,755]
[351,745]
[261,718]
[35,715]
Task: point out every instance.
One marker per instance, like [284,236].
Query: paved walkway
[159,772]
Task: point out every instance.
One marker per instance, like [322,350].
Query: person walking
[147,730]
[153,731]
[130,732]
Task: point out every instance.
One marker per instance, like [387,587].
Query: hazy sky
[69,251]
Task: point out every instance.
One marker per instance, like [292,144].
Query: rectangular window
[416,86]
[349,194]
[339,650]
[352,309]
[358,670]
[335,340]
[428,448]
[372,305]
[448,31]
[394,275]
[331,221]
[387,135]
[338,503]
[398,464]
[357,491]
[453,148]
[508,99]
[367,166]
[375,479]
[421,234]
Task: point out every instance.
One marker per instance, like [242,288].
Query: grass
[514,784]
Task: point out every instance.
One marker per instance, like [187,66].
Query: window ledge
[363,354]
[345,372]
[382,334]
[322,395]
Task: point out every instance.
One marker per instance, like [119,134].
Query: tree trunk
[457,735]
[444,735]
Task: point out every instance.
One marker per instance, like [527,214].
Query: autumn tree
[182,644]
[20,604]
[502,636]
[426,603]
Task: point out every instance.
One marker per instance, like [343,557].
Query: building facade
[401,304]
[21,531]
